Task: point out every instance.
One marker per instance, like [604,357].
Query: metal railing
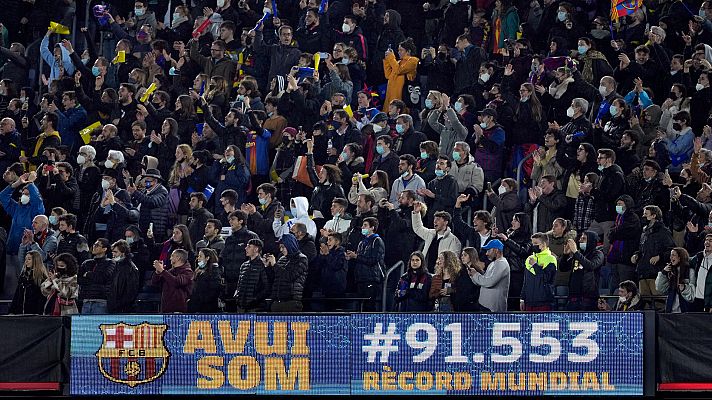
[399,265]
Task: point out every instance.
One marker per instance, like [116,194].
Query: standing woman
[428,159]
[126,281]
[61,288]
[179,240]
[432,103]
[451,288]
[397,72]
[186,117]
[28,297]
[231,173]
[677,281]
[505,24]
[414,286]
[163,145]
[178,181]
[88,178]
[206,283]
[517,247]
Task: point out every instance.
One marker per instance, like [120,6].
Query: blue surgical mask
[129,239]
[53,220]
[344,156]
[483,125]
[365,231]
[620,209]
[95,71]
[439,173]
[613,110]
[201,264]
[561,16]
[582,50]
[230,159]
[429,104]
[344,60]
[456,156]
[582,246]
[380,149]
[423,155]
[601,168]
[457,106]
[139,12]
[262,200]
[173,72]
[400,128]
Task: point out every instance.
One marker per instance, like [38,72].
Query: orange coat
[396,72]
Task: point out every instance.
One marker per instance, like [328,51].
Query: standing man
[494,281]
[540,268]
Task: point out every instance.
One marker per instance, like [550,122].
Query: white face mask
[485,77]
[108,164]
[377,128]
[699,87]
[622,299]
[81,159]
[266,10]
[24,199]
[603,90]
[105,184]
[502,189]
[570,112]
[346,28]
[221,3]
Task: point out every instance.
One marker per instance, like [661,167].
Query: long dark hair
[682,269]
[185,243]
[525,224]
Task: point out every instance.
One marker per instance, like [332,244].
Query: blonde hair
[451,264]
[39,272]
[174,177]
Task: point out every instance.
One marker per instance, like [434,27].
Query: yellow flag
[86,132]
[317,58]
[120,58]
[348,110]
[151,89]
[59,28]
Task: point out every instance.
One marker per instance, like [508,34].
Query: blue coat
[22,215]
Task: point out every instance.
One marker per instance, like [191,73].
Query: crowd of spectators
[246,156]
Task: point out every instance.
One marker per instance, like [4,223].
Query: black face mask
[536,249]
[676,126]
[673,95]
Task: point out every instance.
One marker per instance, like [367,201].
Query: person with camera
[332,267]
[677,281]
[287,276]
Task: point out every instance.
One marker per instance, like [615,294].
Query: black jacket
[397,225]
[609,187]
[94,278]
[74,244]
[624,235]
[369,262]
[28,297]
[585,269]
[233,255]
[389,165]
[323,194]
[288,277]
[261,223]
[409,143]
[253,287]
[206,291]
[656,240]
[196,223]
[124,287]
[332,270]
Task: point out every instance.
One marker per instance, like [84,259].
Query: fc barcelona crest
[133,354]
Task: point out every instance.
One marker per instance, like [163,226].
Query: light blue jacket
[22,215]
[48,57]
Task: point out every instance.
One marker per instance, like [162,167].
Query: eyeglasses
[215,49]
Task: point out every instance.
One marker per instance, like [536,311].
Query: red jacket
[176,285]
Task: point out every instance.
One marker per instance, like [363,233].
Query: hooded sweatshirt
[300,213]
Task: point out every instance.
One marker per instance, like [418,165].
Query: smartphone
[323,55]
[489,186]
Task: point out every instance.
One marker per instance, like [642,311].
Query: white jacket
[469,175]
[448,242]
[301,214]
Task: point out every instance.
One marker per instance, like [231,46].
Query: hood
[394,20]
[290,243]
[151,162]
[591,237]
[302,207]
[655,113]
[627,200]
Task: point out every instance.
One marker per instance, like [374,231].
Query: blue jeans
[94,307]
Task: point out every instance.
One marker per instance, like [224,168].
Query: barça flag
[621,8]
[132,354]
